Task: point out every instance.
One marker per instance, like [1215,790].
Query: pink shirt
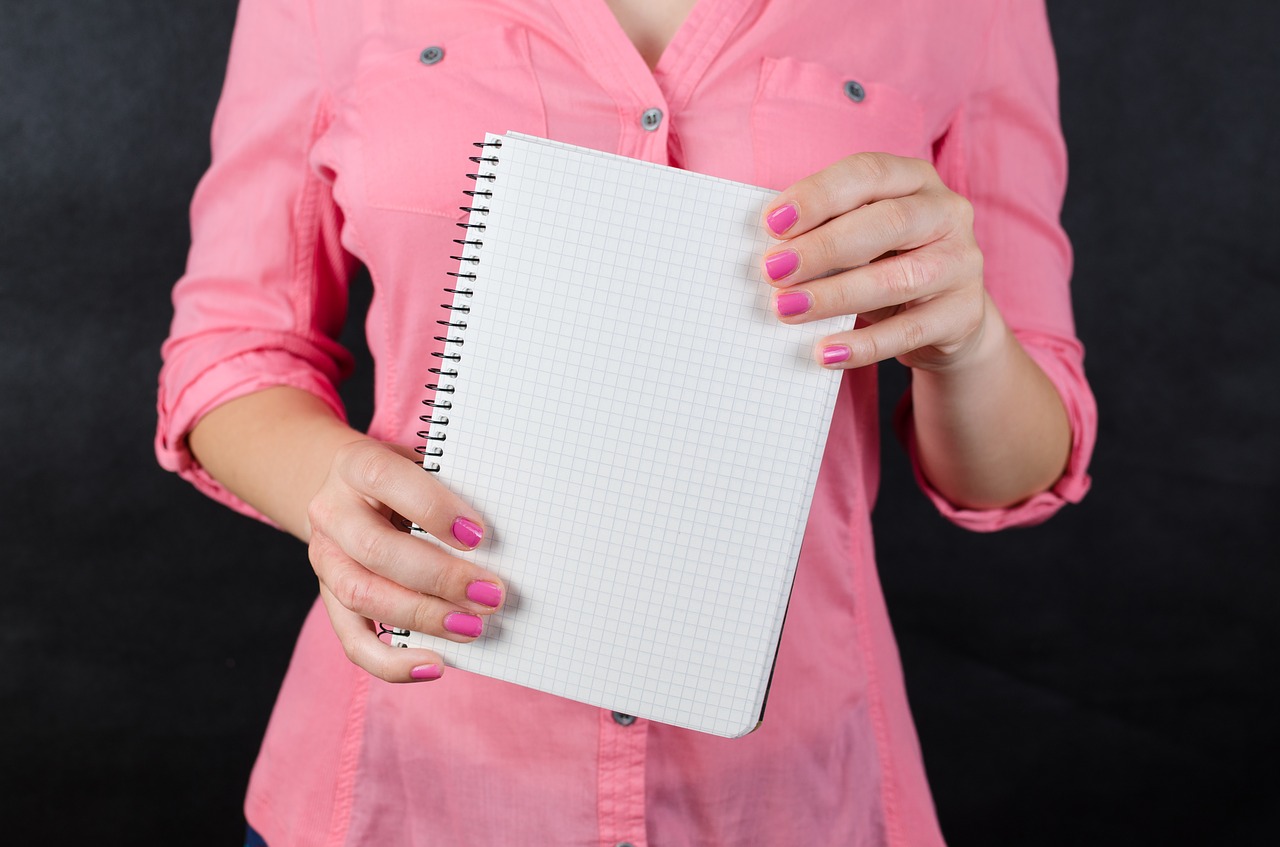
[336,142]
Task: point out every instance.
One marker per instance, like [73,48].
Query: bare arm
[273,449]
[992,431]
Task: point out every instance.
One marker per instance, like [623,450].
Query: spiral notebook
[642,435]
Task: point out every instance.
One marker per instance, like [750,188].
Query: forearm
[273,450]
[991,431]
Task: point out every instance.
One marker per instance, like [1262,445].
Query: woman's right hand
[371,570]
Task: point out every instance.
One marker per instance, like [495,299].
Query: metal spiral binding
[447,371]
[383,629]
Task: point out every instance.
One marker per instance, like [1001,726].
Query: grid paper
[640,432]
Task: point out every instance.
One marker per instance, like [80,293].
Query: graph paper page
[639,431]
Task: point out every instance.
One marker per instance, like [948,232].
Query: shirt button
[431,55]
[854,91]
[651,119]
[623,720]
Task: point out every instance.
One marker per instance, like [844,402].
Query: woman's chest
[744,89]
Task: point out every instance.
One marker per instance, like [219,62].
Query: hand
[879,236]
[371,570]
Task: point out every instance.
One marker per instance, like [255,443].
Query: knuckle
[351,647]
[872,347]
[841,299]
[372,546]
[352,590]
[428,510]
[426,618]
[822,249]
[321,552]
[439,577]
[824,187]
[912,332]
[899,219]
[906,276]
[961,260]
[319,513]
[371,469]
[872,167]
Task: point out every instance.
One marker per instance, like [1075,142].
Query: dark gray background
[1106,679]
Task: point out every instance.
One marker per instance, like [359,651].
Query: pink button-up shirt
[337,141]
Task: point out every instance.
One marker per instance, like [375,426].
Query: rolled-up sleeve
[1004,151]
[264,295]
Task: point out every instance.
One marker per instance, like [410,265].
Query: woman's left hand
[879,236]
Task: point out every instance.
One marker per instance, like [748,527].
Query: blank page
[640,432]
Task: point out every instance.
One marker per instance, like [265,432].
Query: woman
[922,169]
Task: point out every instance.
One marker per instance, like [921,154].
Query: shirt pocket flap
[807,116]
[420,109]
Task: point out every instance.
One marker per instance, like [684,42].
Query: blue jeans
[252,838]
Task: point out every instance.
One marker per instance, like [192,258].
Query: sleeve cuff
[227,380]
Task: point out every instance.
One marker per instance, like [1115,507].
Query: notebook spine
[443,386]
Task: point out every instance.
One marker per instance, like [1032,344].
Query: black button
[854,91]
[431,55]
[623,720]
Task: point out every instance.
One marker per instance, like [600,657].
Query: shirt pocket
[420,109]
[807,116]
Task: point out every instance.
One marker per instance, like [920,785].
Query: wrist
[989,342]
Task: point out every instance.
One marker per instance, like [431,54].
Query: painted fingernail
[467,531]
[781,264]
[484,593]
[463,624]
[834,354]
[793,303]
[782,218]
[426,672]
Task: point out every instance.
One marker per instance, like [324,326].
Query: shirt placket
[621,777]
[611,59]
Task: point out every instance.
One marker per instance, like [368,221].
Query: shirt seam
[876,707]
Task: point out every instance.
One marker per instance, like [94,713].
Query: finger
[360,642]
[392,478]
[938,323]
[860,236]
[365,536]
[375,597]
[851,182]
[886,283]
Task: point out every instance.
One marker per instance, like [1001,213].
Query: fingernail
[484,593]
[781,264]
[793,303]
[782,218]
[834,354]
[426,672]
[463,624]
[467,531]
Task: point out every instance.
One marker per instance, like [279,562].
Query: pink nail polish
[834,354]
[426,672]
[467,531]
[484,593]
[463,624]
[793,303]
[783,218]
[781,264]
